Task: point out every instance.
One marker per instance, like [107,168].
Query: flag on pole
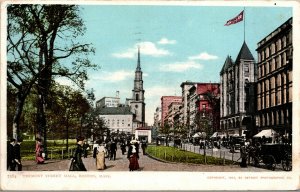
[235,20]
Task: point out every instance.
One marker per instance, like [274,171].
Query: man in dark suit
[17,150]
[11,164]
[113,150]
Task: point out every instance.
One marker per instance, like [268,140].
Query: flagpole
[244,24]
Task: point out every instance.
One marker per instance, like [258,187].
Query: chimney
[117,94]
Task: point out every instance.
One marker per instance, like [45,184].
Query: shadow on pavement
[109,166]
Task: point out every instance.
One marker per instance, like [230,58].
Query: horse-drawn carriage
[272,155]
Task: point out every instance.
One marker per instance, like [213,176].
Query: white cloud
[65,81]
[203,56]
[128,54]
[146,48]
[114,76]
[180,66]
[165,41]
[157,91]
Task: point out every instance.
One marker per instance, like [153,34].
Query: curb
[194,164]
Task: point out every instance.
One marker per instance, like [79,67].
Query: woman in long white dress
[100,158]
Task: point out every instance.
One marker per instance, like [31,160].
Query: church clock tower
[137,103]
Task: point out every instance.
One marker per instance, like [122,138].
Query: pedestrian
[144,146]
[86,148]
[11,164]
[76,161]
[123,147]
[108,148]
[100,157]
[244,156]
[95,146]
[17,151]
[113,150]
[39,150]
[133,156]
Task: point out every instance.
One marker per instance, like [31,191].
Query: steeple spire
[138,68]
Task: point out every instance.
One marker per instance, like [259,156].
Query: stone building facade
[173,108]
[118,119]
[275,80]
[234,77]
[185,87]
[165,102]
[157,117]
[108,102]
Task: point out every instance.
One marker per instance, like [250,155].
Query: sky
[178,44]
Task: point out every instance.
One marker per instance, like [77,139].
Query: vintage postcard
[150,95]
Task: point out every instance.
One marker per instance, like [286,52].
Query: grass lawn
[55,148]
[178,155]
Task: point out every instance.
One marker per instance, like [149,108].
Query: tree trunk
[41,121]
[67,134]
[16,120]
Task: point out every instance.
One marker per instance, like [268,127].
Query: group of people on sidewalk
[14,155]
[102,150]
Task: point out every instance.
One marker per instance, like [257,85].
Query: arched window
[279,44]
[283,59]
[136,97]
[283,41]
[267,52]
[258,88]
[273,48]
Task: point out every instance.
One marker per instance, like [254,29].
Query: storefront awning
[267,133]
[199,134]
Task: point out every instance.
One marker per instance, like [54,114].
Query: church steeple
[138,67]
[137,104]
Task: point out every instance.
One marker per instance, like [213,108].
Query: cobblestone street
[146,164]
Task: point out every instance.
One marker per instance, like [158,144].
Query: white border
[157,180]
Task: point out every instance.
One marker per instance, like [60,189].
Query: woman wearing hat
[76,162]
[100,157]
[39,158]
[133,156]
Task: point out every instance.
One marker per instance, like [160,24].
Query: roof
[115,111]
[187,83]
[143,128]
[281,29]
[228,63]
[244,53]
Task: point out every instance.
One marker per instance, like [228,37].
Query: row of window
[275,82]
[272,64]
[274,98]
[228,124]
[275,47]
[279,117]
[112,123]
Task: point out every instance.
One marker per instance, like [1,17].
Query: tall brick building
[165,102]
[274,83]
[204,99]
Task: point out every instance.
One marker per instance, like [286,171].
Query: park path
[146,164]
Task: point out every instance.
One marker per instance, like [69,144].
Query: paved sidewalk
[146,164]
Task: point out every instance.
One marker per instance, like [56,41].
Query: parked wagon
[272,155]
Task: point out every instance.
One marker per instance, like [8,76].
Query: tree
[213,98]
[94,126]
[203,122]
[66,109]
[42,42]
[166,130]
[181,130]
